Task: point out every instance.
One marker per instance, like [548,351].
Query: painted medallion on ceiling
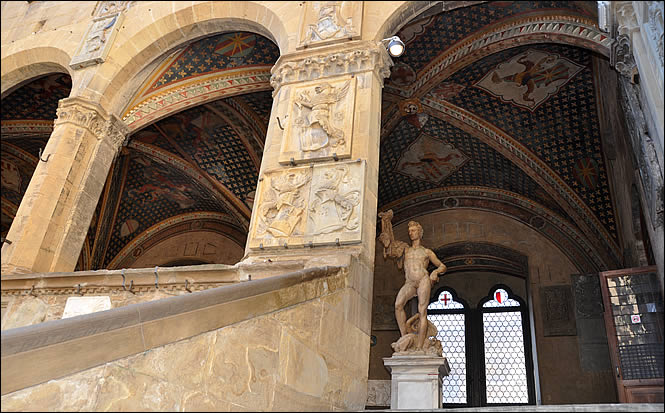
[529,78]
[430,159]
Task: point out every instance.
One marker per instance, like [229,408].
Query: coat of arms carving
[321,122]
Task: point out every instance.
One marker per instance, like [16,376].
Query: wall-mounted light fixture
[394,45]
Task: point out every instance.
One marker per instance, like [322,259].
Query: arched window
[448,313]
[506,356]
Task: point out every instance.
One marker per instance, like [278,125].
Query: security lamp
[395,46]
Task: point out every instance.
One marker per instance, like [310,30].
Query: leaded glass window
[448,315]
[504,351]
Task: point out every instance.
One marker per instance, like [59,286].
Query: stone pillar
[637,29]
[316,199]
[53,219]
[318,184]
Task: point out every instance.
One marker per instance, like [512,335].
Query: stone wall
[305,356]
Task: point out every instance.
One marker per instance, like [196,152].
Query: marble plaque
[309,205]
[86,305]
[320,121]
[326,22]
[97,42]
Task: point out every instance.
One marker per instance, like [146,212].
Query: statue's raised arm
[391,247]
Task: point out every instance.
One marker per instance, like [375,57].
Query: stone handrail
[54,349]
[199,277]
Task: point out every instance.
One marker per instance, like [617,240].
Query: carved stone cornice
[93,118]
[353,57]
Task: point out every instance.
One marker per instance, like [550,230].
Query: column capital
[323,62]
[91,116]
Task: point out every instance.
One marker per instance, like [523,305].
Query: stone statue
[407,343]
[320,117]
[414,259]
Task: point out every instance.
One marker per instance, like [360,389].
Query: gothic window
[448,314]
[487,348]
[505,355]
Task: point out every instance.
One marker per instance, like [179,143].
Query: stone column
[53,219]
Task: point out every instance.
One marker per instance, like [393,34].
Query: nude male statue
[414,259]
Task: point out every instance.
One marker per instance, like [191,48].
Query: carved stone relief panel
[282,208]
[335,203]
[325,22]
[97,41]
[320,121]
[309,205]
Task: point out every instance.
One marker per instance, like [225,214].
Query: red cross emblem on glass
[445,297]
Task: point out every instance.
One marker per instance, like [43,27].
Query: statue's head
[415,230]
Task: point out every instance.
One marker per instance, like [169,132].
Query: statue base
[416,381]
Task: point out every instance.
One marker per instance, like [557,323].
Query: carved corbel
[625,18]
[116,132]
[621,57]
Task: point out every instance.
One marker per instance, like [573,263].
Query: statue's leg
[424,289]
[405,293]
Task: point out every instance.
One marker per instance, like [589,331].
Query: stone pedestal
[416,381]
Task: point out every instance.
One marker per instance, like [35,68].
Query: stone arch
[161,37]
[549,224]
[527,30]
[21,67]
[409,11]
[153,237]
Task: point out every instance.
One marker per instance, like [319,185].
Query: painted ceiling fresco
[540,95]
[203,155]
[202,159]
[37,99]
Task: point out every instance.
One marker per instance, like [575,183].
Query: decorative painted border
[20,128]
[193,92]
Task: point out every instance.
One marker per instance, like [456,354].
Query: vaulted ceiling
[512,128]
